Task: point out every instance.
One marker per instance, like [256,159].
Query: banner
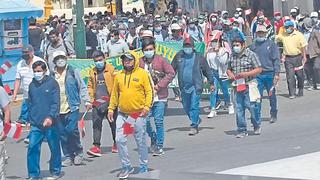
[128,5]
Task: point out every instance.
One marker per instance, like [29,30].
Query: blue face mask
[261,39]
[237,49]
[188,50]
[99,64]
[289,31]
[148,54]
[38,76]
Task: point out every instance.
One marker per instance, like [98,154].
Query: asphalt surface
[213,150]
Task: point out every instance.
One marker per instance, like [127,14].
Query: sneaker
[114,148]
[67,162]
[213,113]
[53,177]
[158,152]
[26,140]
[242,135]
[273,120]
[143,169]
[78,159]
[193,131]
[95,151]
[231,109]
[292,97]
[257,131]
[125,172]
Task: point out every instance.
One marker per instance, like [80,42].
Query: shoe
[231,109]
[114,148]
[242,135]
[95,151]
[193,131]
[26,140]
[177,99]
[292,97]
[143,169]
[273,120]
[78,159]
[218,105]
[67,162]
[125,172]
[53,177]
[309,88]
[213,113]
[257,131]
[158,152]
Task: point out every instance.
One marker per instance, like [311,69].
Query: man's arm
[148,90]
[16,89]
[169,75]
[90,86]
[206,70]
[55,102]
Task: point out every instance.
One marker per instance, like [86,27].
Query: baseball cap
[147,33]
[262,28]
[314,14]
[293,10]
[288,23]
[127,56]
[57,54]
[27,48]
[175,26]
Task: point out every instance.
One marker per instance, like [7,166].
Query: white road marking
[299,167]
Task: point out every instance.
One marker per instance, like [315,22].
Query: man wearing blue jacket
[269,55]
[72,91]
[190,84]
[44,100]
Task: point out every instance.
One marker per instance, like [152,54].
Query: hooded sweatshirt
[132,91]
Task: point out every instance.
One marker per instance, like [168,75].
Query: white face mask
[61,63]
[38,76]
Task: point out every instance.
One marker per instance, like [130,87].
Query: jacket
[200,67]
[92,82]
[162,66]
[132,91]
[76,89]
[313,48]
[44,101]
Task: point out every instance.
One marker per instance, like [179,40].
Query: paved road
[213,154]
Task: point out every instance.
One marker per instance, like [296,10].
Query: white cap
[158,16]
[147,33]
[57,54]
[175,26]
[261,28]
[224,12]
[238,9]
[314,14]
[293,11]
[131,20]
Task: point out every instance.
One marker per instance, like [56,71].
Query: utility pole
[79,29]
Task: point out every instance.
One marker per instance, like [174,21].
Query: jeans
[290,64]
[140,136]
[24,111]
[224,85]
[157,111]
[97,118]
[265,82]
[243,103]
[190,102]
[34,150]
[69,134]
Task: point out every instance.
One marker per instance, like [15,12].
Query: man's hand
[144,113]
[156,88]
[88,107]
[14,98]
[110,117]
[304,61]
[276,79]
[242,75]
[47,122]
[212,88]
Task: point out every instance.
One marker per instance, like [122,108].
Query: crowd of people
[128,99]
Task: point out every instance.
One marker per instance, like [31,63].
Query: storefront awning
[18,9]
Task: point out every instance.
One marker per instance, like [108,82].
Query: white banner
[128,5]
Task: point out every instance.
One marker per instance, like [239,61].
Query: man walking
[132,95]
[72,91]
[269,55]
[100,87]
[190,65]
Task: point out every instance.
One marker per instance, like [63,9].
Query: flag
[5,67]
[98,102]
[128,126]
[247,12]
[7,89]
[11,130]
[82,125]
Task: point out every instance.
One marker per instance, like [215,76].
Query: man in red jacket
[162,74]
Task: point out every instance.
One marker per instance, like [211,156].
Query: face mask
[122,31]
[150,28]
[261,39]
[214,44]
[213,20]
[148,54]
[236,15]
[38,76]
[113,39]
[94,31]
[61,63]
[192,26]
[289,31]
[25,57]
[234,27]
[237,49]
[99,64]
[278,18]
[188,50]
[201,21]
[158,29]
[314,19]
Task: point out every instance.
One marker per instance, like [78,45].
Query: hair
[42,64]
[54,32]
[115,32]
[238,40]
[148,41]
[98,53]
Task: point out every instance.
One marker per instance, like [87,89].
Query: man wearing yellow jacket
[132,94]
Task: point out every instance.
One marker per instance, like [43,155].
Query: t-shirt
[187,74]
[101,86]
[25,74]
[118,48]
